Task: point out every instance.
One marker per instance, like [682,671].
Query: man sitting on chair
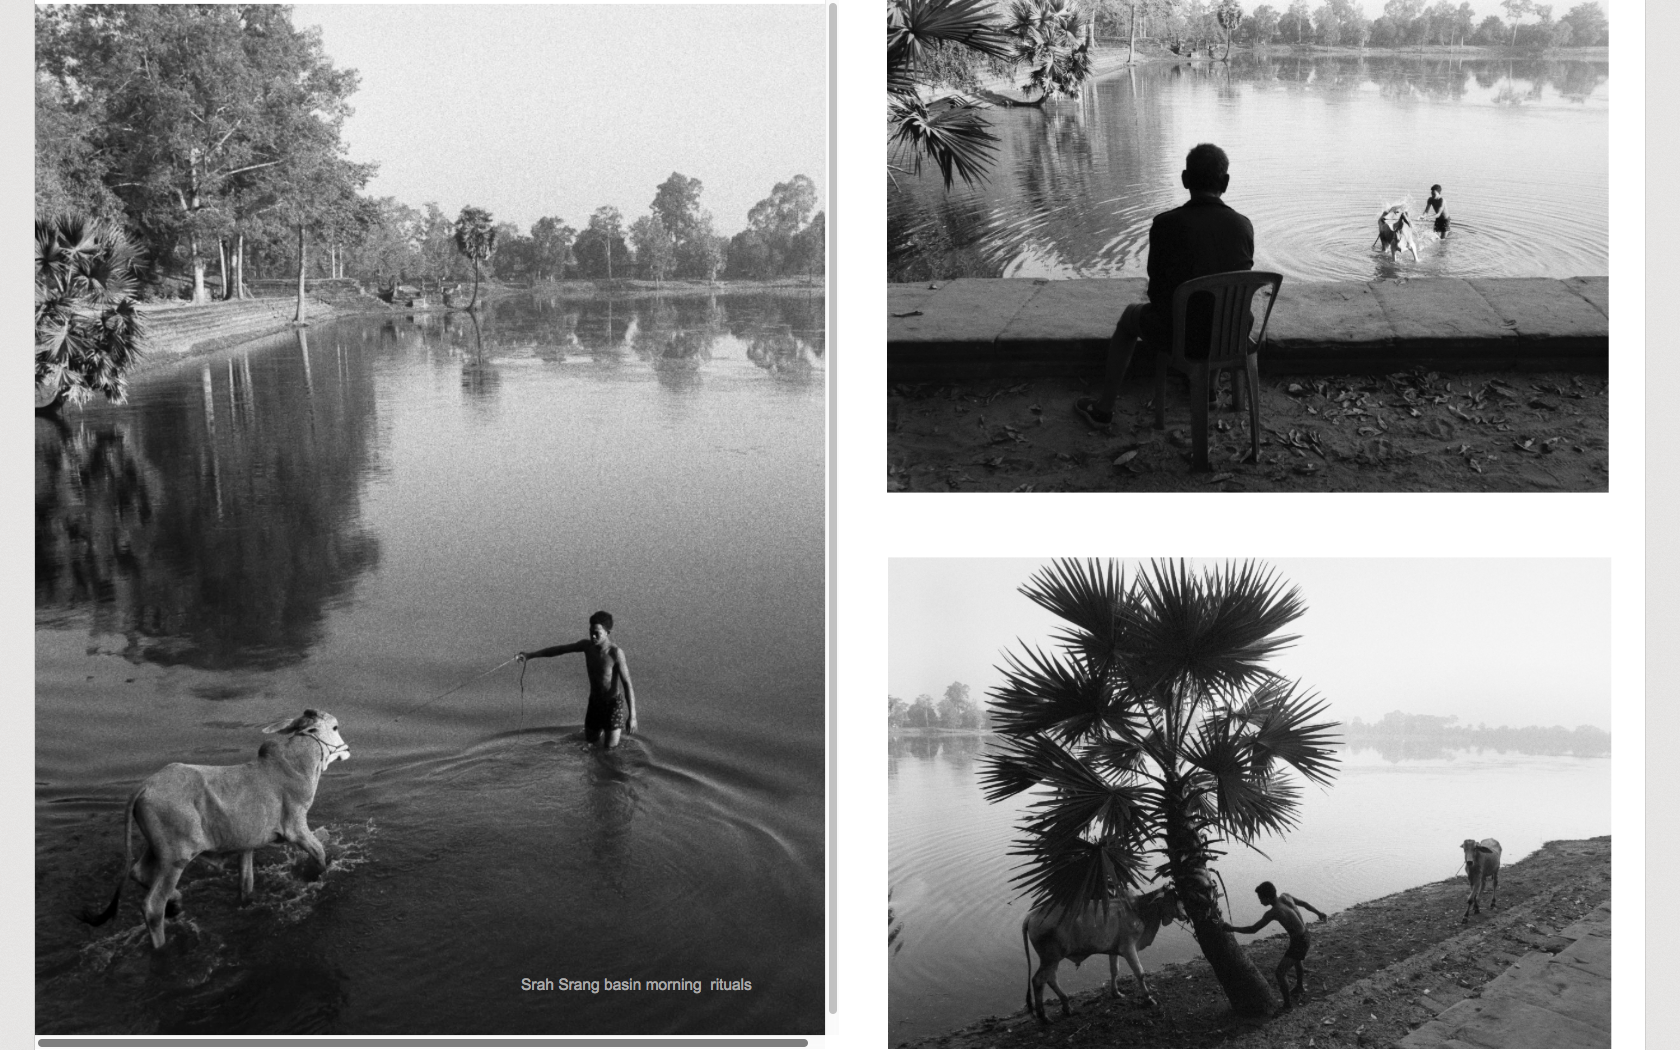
[1201,237]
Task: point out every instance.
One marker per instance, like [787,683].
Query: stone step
[977,327]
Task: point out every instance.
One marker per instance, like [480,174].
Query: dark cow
[1115,928]
[186,810]
[1481,863]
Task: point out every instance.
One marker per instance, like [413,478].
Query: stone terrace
[978,328]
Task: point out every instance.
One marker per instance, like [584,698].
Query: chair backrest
[1224,300]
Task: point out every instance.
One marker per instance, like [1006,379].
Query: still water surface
[1384,826]
[361,518]
[1318,147]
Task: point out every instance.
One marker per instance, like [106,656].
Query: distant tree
[1296,23]
[1491,31]
[897,711]
[922,713]
[1264,25]
[807,253]
[655,251]
[1516,9]
[608,224]
[957,711]
[1053,42]
[87,331]
[749,256]
[551,244]
[677,203]
[1589,27]
[699,255]
[475,240]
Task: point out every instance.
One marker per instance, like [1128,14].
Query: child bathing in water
[1438,205]
[612,697]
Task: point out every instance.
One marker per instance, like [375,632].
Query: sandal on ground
[1086,408]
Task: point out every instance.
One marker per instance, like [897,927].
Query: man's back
[1204,235]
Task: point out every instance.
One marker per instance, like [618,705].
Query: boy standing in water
[612,696]
[1285,909]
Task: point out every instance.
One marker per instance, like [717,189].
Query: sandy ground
[1408,432]
[1376,971]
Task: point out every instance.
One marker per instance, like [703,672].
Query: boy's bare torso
[602,664]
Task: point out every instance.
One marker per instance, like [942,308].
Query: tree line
[1444,732]
[954,710]
[210,137]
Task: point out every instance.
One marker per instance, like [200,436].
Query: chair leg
[1254,406]
[1237,377]
[1199,419]
[1160,390]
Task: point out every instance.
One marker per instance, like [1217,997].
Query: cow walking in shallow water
[186,810]
[1118,927]
[1481,863]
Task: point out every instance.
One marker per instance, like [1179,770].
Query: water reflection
[214,522]
[1319,145]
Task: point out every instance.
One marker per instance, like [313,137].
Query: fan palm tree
[949,129]
[87,328]
[1054,43]
[475,238]
[1154,735]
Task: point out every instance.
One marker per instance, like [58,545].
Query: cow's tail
[93,918]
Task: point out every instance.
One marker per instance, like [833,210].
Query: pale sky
[555,109]
[1502,641]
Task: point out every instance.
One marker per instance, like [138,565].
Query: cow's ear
[282,726]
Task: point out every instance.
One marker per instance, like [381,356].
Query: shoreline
[179,330]
[1378,970]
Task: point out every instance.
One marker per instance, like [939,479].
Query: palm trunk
[222,259]
[1244,987]
[474,304]
[302,317]
[239,266]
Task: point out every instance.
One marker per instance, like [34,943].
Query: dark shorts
[1298,945]
[606,713]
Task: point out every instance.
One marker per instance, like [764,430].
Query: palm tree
[475,237]
[1156,732]
[1054,43]
[87,328]
[948,129]
[1229,16]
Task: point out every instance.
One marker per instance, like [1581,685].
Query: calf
[1481,863]
[186,810]
[1119,927]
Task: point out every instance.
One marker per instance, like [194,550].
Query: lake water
[367,517]
[954,942]
[1318,147]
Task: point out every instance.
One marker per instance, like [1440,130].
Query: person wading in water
[612,696]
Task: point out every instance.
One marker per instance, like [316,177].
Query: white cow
[1115,928]
[187,810]
[1481,863]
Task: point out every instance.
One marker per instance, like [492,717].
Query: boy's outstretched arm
[1315,911]
[1264,919]
[629,688]
[553,650]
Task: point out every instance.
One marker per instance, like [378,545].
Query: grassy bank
[1376,971]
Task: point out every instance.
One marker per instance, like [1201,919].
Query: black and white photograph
[430,519]
[1181,246]
[1275,802]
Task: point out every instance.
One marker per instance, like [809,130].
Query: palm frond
[1283,731]
[1072,875]
[1047,694]
[950,130]
[1083,594]
[914,26]
[1217,629]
